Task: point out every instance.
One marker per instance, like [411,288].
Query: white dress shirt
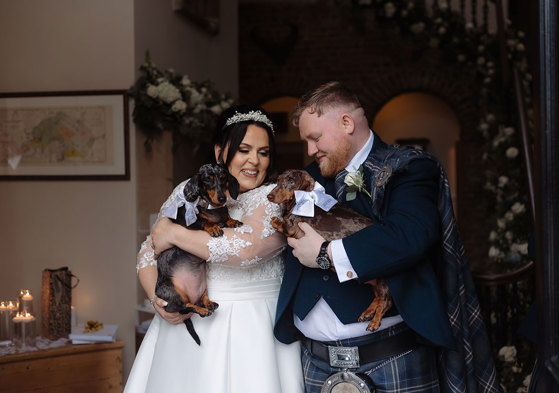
[321,323]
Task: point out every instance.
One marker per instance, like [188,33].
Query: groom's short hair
[327,95]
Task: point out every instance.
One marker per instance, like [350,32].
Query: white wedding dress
[238,351]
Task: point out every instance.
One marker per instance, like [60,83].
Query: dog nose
[221,198]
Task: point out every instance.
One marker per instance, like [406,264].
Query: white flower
[492,236]
[195,97]
[167,92]
[503,181]
[509,216]
[511,152]
[185,81]
[389,10]
[179,106]
[469,26]
[443,6]
[216,109]
[508,131]
[508,235]
[523,248]
[151,91]
[355,183]
[483,126]
[501,223]
[442,30]
[516,369]
[508,353]
[497,141]
[480,48]
[493,252]
[481,60]
[526,381]
[226,104]
[490,117]
[518,208]
[520,47]
[511,42]
[417,28]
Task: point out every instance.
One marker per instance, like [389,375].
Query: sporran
[347,382]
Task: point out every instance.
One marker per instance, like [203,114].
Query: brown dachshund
[179,271]
[339,222]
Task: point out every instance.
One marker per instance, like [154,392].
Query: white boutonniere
[355,183]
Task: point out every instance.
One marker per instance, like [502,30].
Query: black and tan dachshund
[339,222]
[181,276]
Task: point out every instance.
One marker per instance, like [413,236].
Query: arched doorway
[421,118]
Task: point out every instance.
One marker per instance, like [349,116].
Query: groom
[432,339]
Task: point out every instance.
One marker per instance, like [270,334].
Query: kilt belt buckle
[344,357]
[345,380]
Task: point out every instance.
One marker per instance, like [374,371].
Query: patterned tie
[340,185]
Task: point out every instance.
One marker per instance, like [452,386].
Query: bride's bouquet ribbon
[190,213]
[305,201]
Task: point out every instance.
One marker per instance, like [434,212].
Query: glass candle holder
[25,300]
[24,330]
[7,312]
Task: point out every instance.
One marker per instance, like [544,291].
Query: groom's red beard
[336,161]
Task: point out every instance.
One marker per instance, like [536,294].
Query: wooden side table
[72,368]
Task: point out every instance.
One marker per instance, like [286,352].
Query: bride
[238,351]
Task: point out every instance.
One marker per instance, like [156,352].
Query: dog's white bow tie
[305,201]
[190,208]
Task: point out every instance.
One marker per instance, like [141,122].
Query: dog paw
[232,223]
[213,306]
[373,325]
[277,224]
[215,231]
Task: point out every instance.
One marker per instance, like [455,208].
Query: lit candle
[5,326]
[73,316]
[11,306]
[25,301]
[24,329]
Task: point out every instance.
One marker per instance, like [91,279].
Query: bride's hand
[161,235]
[173,318]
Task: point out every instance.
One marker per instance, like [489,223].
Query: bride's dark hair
[231,135]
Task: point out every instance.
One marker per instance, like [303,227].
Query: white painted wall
[93,227]
[58,45]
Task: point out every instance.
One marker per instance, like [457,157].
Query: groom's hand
[306,248]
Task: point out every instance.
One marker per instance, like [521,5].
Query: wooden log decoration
[56,301]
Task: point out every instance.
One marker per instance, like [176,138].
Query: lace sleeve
[256,240]
[145,255]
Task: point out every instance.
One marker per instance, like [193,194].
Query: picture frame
[69,135]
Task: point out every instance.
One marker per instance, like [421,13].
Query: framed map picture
[64,136]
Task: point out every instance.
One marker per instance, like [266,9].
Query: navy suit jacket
[404,249]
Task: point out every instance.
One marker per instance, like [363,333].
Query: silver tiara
[250,116]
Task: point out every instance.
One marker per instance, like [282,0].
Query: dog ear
[192,188]
[306,181]
[233,185]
